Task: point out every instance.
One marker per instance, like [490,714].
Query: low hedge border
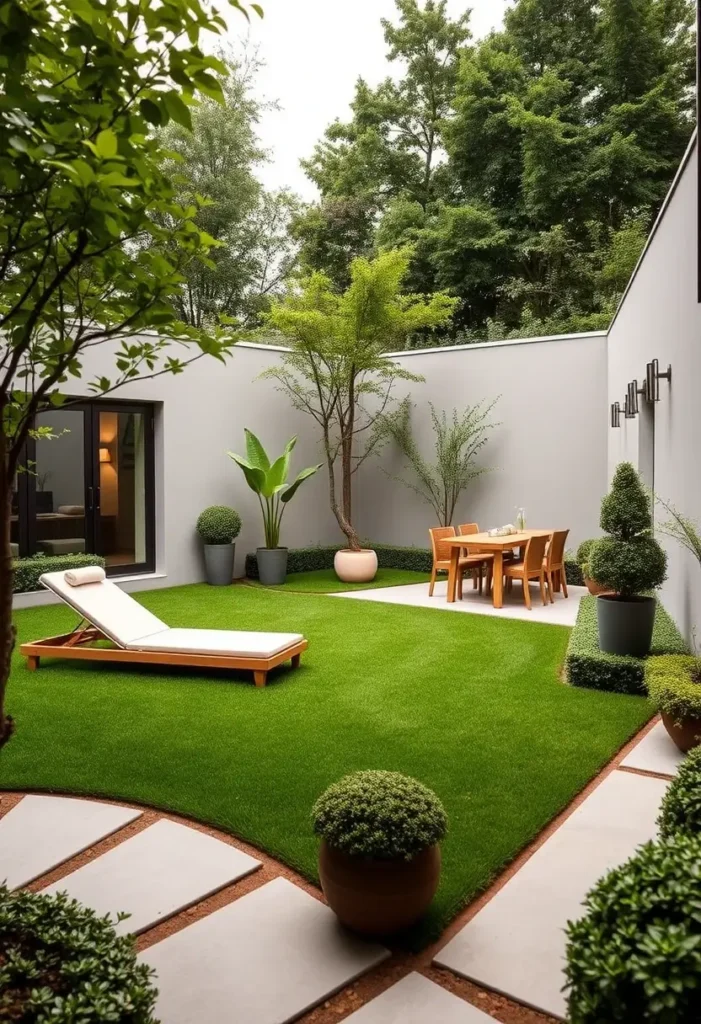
[26,571]
[388,557]
[586,665]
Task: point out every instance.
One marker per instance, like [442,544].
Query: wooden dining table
[476,543]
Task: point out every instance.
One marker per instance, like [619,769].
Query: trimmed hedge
[681,804]
[587,666]
[674,686]
[26,571]
[61,962]
[388,557]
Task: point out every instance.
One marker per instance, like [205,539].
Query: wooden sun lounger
[78,644]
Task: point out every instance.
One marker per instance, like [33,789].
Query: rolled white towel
[90,574]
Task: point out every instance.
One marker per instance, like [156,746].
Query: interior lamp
[105,455]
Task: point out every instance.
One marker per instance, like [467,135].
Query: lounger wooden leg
[261,678]
[296,659]
[32,662]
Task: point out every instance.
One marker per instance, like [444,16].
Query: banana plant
[269,481]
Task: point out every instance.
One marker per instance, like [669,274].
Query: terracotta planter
[355,566]
[378,897]
[686,734]
[595,588]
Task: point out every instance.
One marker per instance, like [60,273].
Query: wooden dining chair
[532,567]
[555,563]
[484,561]
[441,557]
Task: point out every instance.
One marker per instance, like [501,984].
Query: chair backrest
[465,529]
[556,551]
[535,551]
[115,613]
[439,534]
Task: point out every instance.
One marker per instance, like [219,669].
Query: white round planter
[355,566]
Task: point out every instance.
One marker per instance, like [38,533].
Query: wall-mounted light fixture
[628,411]
[632,396]
[616,414]
[105,455]
[653,378]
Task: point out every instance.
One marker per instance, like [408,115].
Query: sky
[314,51]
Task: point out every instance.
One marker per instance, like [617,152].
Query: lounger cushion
[217,641]
[118,615]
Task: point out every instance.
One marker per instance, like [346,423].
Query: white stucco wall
[660,318]
[548,454]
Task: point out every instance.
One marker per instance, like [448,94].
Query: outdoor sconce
[632,397]
[629,414]
[653,378]
[616,414]
[105,455]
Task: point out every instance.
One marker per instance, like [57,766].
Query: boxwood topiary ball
[379,814]
[635,958]
[218,524]
[681,806]
[628,567]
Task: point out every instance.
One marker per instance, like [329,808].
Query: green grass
[325,581]
[470,704]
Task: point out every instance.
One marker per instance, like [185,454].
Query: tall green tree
[336,371]
[217,157]
[392,148]
[87,214]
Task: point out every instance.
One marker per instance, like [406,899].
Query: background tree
[336,371]
[218,159]
[87,214]
[458,441]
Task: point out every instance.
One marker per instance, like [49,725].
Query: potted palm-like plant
[629,563]
[379,861]
[268,480]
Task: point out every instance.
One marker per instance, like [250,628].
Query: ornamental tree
[630,560]
[337,372]
[94,245]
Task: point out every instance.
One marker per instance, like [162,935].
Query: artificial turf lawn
[325,581]
[470,704]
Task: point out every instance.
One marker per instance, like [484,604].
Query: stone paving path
[273,951]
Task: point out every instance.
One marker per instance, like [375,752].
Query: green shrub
[583,551]
[313,559]
[62,963]
[573,572]
[674,686]
[218,525]
[586,665]
[629,561]
[383,815]
[636,955]
[681,805]
[26,571]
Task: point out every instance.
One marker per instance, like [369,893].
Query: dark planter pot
[625,626]
[378,897]
[685,733]
[219,564]
[272,566]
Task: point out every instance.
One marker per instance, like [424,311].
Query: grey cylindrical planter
[272,566]
[219,564]
[625,626]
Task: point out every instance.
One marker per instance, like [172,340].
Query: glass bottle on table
[520,519]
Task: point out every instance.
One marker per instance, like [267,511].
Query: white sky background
[314,51]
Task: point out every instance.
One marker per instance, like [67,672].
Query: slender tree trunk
[343,522]
[7,628]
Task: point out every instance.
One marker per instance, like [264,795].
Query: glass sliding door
[124,510]
[89,487]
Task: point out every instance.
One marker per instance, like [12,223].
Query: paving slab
[155,874]
[516,943]
[656,752]
[417,1000]
[562,613]
[264,959]
[41,832]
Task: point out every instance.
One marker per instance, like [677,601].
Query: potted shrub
[218,526]
[636,955]
[681,804]
[268,480]
[627,563]
[62,962]
[379,860]
[582,559]
[674,687]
